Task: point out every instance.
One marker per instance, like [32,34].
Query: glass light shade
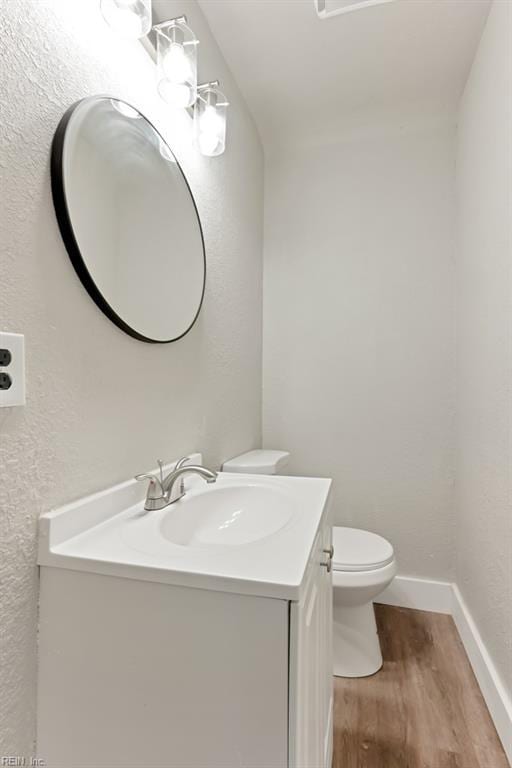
[210,122]
[176,63]
[129,18]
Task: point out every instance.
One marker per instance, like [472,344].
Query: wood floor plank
[423,709]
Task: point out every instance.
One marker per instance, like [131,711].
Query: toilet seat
[357,550]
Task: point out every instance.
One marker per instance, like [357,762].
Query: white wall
[359,326]
[100,405]
[484,269]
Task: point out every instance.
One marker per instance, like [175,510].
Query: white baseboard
[494,692]
[421,594]
[445,597]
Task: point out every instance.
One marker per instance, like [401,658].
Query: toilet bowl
[363,566]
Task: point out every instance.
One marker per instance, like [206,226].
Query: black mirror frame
[68,235]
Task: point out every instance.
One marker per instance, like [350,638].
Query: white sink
[249,534]
[226,516]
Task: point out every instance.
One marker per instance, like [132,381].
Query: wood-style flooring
[423,709]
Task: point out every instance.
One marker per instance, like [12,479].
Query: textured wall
[100,405]
[484,269]
[359,327]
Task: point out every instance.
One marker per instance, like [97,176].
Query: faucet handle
[155,495]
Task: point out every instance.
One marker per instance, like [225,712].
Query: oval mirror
[128,219]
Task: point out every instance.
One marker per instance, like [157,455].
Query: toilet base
[356,644]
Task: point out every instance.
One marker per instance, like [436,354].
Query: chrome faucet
[163,491]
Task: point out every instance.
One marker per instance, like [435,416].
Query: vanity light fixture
[176,52]
[129,18]
[210,119]
[176,59]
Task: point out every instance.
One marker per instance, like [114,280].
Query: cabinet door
[135,674]
[311,664]
[326,664]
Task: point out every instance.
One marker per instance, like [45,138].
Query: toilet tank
[258,462]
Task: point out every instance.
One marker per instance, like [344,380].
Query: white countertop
[110,533]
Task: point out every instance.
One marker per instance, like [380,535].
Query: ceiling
[303,76]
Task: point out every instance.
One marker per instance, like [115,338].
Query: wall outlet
[12,369]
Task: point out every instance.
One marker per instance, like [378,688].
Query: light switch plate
[15,395]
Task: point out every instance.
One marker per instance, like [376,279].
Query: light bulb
[210,121]
[210,130]
[176,94]
[129,18]
[176,65]
[208,144]
[176,53]
[126,23]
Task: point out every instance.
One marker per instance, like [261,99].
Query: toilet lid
[356,550]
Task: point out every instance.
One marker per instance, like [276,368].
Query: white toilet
[363,566]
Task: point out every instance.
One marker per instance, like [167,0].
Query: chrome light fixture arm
[163,25]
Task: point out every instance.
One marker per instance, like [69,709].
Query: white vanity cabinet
[311,679]
[139,673]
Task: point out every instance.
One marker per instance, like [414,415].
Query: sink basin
[246,534]
[226,516]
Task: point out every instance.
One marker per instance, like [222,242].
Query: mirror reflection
[128,219]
